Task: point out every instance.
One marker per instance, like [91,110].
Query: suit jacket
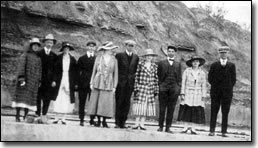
[47,63]
[85,67]
[73,75]
[126,71]
[163,67]
[221,80]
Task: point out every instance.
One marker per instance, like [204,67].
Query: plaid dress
[145,88]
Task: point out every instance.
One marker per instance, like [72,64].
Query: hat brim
[70,48]
[151,54]
[172,47]
[107,48]
[189,62]
[223,51]
[95,44]
[35,43]
[44,40]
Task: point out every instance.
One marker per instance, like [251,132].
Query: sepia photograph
[126,71]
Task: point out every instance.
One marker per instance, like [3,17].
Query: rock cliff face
[151,24]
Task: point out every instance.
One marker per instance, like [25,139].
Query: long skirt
[194,114]
[102,103]
[63,102]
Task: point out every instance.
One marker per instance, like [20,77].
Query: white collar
[90,54]
[47,50]
[170,58]
[221,60]
[129,53]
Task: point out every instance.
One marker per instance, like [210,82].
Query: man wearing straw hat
[46,91]
[127,64]
[222,77]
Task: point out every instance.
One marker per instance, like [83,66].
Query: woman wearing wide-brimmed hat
[29,77]
[103,84]
[193,92]
[65,79]
[146,89]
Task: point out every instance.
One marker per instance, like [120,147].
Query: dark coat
[30,72]
[73,75]
[46,91]
[222,77]
[126,71]
[85,67]
[163,67]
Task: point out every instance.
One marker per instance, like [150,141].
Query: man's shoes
[211,134]
[81,123]
[55,122]
[168,131]
[123,126]
[136,127]
[224,135]
[160,129]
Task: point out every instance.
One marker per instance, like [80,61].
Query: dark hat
[91,42]
[223,49]
[50,37]
[35,41]
[172,47]
[66,44]
[196,57]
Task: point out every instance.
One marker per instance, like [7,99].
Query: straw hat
[50,37]
[223,49]
[149,52]
[196,57]
[35,41]
[129,42]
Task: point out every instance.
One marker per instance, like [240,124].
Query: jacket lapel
[125,58]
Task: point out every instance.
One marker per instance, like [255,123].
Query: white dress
[63,103]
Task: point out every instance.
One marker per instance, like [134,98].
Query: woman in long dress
[146,89]
[103,85]
[29,76]
[65,79]
[193,92]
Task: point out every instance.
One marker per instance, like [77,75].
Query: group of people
[109,79]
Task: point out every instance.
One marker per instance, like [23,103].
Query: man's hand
[53,84]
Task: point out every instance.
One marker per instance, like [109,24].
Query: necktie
[170,59]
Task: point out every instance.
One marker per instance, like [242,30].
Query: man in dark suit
[222,77]
[127,64]
[46,91]
[169,73]
[85,67]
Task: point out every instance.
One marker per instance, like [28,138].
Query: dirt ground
[22,131]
